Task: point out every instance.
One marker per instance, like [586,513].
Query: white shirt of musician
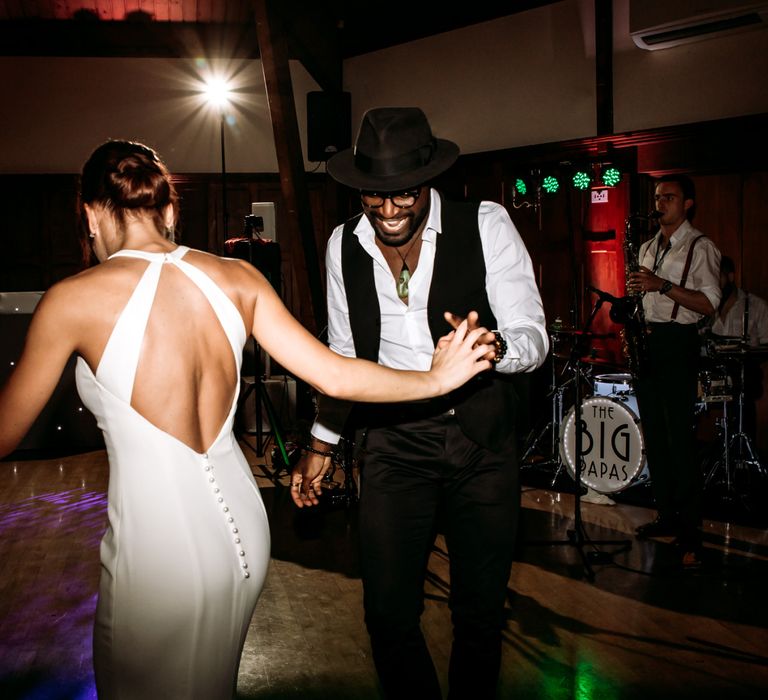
[703,275]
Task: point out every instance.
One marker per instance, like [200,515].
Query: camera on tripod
[262,253]
[253,224]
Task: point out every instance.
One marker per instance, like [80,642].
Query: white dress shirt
[406,341]
[703,275]
[733,324]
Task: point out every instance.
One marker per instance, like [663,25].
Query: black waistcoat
[485,406]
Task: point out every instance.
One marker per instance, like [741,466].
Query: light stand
[217,94]
[224,208]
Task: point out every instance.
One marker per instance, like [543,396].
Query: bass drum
[613,450]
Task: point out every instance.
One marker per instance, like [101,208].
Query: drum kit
[613,451]
[612,445]
[723,383]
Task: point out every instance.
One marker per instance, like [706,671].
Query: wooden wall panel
[39,231]
[754,253]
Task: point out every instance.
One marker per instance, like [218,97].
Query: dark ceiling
[98,27]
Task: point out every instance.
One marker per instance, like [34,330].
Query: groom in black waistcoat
[400,275]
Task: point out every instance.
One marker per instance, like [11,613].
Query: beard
[396,236]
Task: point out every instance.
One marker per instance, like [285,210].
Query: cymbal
[576,331]
[754,351]
[588,359]
[716,338]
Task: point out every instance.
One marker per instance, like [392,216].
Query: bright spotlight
[217,92]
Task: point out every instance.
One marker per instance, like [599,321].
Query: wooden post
[300,236]
[604,66]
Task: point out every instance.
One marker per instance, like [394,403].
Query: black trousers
[412,474]
[666,398]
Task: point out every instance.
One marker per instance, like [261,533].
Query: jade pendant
[402,282]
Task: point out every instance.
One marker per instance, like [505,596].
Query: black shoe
[660,527]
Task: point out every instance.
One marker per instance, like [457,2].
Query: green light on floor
[520,186]
[611,177]
[550,184]
[590,684]
[581,180]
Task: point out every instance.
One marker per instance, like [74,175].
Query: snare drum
[617,386]
[613,450]
[613,385]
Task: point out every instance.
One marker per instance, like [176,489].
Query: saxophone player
[679,280]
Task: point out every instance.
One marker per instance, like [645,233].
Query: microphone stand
[577,537]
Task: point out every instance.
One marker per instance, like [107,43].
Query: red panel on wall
[604,262]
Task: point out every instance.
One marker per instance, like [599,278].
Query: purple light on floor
[33,511]
[46,622]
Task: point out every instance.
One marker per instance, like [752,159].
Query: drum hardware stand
[577,536]
[345,494]
[738,448]
[557,394]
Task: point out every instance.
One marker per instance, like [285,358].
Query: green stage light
[581,180]
[550,184]
[520,186]
[611,177]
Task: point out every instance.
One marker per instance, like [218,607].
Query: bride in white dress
[159,331]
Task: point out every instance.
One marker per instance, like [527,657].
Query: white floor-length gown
[187,545]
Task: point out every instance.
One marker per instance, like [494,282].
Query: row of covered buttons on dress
[208,468]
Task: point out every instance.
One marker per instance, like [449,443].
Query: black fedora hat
[394,150]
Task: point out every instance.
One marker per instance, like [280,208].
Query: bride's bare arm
[285,339]
[49,344]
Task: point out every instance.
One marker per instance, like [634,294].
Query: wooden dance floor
[643,629]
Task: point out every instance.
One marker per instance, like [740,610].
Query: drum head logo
[612,450]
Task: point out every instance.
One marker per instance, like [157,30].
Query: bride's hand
[459,356]
[472,318]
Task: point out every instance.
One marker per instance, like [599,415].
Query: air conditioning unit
[661,24]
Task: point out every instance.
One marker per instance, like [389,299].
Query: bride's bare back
[186,377]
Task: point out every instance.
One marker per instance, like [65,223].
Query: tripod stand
[556,392]
[284,456]
[577,536]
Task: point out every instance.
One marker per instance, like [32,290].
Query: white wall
[530,78]
[522,79]
[57,110]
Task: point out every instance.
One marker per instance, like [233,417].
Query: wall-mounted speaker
[329,124]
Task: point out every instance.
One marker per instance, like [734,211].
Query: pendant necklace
[405,273]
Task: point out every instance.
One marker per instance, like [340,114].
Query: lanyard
[656,259]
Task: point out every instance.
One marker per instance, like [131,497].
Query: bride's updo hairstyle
[128,178]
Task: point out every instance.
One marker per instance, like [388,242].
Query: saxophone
[629,311]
